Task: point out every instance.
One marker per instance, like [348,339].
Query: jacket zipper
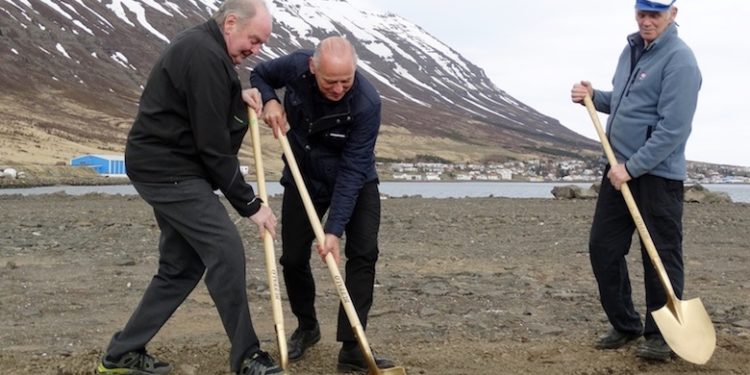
[626,90]
[632,81]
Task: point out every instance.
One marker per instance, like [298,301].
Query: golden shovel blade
[688,330]
[389,371]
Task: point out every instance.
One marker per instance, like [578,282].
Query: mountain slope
[73,70]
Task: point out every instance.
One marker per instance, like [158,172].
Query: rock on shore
[696,193]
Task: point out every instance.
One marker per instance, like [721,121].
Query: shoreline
[65,175]
[32,182]
[706,195]
[75,181]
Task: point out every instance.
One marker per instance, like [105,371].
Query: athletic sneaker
[133,363]
[260,363]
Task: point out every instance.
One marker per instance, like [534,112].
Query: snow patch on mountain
[120,40]
[62,50]
[134,6]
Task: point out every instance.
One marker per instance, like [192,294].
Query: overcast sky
[535,51]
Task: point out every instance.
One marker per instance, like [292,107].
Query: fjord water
[738,192]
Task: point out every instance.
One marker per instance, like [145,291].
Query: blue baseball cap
[653,5]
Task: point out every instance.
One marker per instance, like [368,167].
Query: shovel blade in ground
[389,371]
[688,330]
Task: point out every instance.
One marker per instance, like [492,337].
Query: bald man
[183,145]
[333,114]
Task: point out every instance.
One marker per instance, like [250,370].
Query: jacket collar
[213,29]
[669,33]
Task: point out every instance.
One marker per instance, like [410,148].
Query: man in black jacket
[334,116]
[183,145]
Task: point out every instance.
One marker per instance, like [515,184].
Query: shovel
[272,273]
[685,325]
[333,268]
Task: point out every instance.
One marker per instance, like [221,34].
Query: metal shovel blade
[389,371]
[688,330]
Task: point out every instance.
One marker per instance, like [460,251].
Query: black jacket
[334,142]
[192,119]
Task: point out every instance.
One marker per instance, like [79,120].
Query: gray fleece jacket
[651,105]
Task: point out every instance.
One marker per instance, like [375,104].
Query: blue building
[108,165]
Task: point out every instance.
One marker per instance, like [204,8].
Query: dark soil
[464,286]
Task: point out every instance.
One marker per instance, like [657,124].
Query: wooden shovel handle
[271,271]
[333,268]
[633,208]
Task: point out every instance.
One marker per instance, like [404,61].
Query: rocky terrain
[464,286]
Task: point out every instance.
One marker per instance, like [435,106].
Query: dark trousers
[197,235]
[659,201]
[361,251]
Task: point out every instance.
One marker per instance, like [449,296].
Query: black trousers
[197,235]
[659,201]
[361,251]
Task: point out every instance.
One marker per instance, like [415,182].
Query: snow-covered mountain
[87,60]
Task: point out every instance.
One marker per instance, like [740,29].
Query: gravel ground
[464,286]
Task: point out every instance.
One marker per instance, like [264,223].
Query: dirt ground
[464,286]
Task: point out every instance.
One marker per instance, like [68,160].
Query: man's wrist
[625,166]
[254,205]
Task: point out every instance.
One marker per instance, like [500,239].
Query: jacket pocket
[335,139]
[324,166]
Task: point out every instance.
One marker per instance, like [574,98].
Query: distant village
[538,170]
[571,170]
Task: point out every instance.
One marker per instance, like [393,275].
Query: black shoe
[302,340]
[133,363]
[260,363]
[614,339]
[353,361]
[654,348]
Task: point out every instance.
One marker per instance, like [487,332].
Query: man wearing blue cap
[651,107]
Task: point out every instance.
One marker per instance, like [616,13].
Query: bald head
[335,49]
[334,65]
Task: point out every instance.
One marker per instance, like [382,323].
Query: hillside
[72,73]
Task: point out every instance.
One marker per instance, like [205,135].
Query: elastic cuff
[627,170]
[254,206]
[335,230]
[276,98]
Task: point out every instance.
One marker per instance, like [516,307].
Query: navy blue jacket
[333,142]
